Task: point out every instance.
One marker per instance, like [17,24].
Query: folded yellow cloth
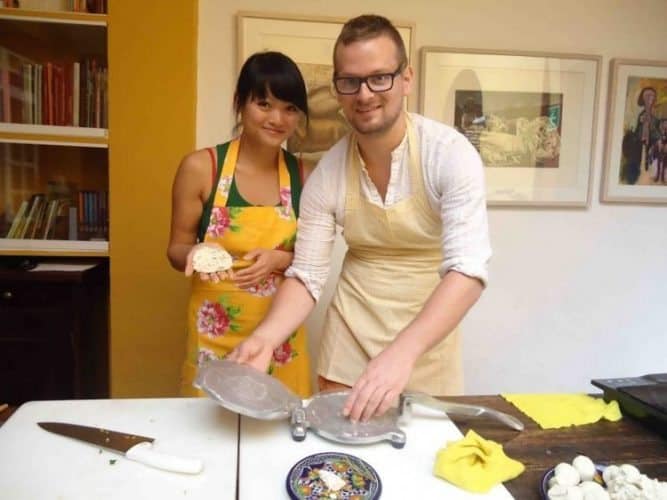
[552,411]
[475,464]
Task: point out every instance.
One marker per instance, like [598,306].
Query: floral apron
[221,315]
[389,271]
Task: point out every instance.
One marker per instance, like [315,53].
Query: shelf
[56,17]
[58,38]
[55,248]
[54,135]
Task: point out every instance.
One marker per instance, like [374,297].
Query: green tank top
[236,200]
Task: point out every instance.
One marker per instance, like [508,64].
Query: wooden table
[626,441]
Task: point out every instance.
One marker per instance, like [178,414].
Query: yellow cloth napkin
[552,411]
[475,464]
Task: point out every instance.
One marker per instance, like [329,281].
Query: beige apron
[389,271]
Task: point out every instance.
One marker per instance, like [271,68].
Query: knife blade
[132,446]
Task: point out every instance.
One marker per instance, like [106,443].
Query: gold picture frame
[635,160]
[531,116]
[309,42]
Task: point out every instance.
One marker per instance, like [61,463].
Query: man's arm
[387,374]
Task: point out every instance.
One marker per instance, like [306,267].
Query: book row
[69,93]
[61,218]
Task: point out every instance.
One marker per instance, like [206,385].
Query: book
[72,233]
[5,86]
[52,214]
[39,219]
[27,93]
[13,84]
[16,223]
[76,85]
[35,202]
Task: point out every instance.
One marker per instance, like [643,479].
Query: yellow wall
[152,89]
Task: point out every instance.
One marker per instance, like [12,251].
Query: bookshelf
[152,124]
[54,161]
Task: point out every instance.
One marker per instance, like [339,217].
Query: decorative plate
[544,484]
[361,481]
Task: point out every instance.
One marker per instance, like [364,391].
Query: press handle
[144,453]
[465,410]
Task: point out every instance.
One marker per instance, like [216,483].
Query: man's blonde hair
[370,26]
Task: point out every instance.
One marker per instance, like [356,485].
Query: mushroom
[585,467]
[566,475]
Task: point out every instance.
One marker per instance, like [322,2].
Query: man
[409,194]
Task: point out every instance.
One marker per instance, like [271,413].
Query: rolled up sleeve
[465,236]
[316,232]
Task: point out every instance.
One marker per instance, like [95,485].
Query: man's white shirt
[454,180]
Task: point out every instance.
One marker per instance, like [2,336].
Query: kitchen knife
[132,446]
[465,410]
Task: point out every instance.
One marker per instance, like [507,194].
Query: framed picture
[309,41]
[531,116]
[636,146]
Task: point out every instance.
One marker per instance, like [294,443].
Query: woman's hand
[213,277]
[266,262]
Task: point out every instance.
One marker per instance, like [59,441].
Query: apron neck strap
[229,167]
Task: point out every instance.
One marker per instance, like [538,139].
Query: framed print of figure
[636,143]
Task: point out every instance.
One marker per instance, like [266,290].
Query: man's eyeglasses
[381,82]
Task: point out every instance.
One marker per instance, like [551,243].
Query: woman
[244,196]
[638,142]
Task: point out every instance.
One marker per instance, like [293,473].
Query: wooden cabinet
[54,341]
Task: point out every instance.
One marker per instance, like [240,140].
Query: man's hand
[254,351]
[380,385]
[266,262]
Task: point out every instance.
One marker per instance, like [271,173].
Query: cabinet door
[36,370]
[37,359]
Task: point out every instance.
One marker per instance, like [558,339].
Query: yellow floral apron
[221,315]
[389,271]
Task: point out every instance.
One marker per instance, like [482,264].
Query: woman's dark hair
[271,71]
[640,99]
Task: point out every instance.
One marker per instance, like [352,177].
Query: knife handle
[144,453]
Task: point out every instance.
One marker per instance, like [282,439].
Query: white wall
[574,294]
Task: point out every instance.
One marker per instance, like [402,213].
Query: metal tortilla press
[247,391]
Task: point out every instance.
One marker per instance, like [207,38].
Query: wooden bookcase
[152,125]
[58,319]
[44,150]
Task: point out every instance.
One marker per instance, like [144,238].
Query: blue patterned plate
[304,481]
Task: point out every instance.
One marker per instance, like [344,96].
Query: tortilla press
[247,391]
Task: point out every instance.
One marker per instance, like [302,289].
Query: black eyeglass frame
[364,79]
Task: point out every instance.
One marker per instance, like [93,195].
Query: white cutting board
[268,452]
[36,464]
